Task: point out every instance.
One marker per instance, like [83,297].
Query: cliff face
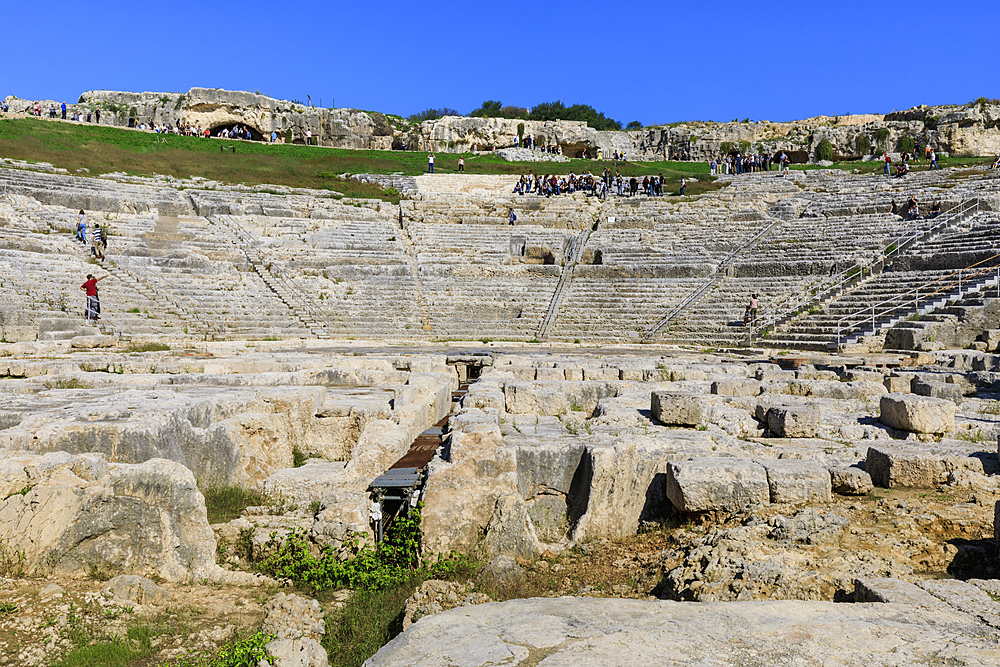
[972,129]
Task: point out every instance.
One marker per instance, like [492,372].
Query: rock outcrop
[70,514]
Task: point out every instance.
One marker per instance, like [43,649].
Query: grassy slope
[103,149]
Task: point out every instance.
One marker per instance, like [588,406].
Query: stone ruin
[825,506]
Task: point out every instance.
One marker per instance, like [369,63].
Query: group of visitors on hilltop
[740,163]
[599,186]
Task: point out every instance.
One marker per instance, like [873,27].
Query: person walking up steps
[430,163]
[81,228]
[93,311]
[100,241]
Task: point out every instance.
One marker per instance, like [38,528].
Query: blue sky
[654,62]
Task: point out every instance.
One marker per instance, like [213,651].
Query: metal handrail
[699,291]
[575,255]
[856,273]
[249,241]
[25,276]
[162,288]
[918,296]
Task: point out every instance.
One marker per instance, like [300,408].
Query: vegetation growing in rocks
[227,502]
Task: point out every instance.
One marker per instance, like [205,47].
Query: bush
[862,145]
[882,135]
[825,150]
[634,125]
[433,114]
[906,144]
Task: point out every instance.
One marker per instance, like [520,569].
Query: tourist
[684,183]
[935,209]
[81,228]
[309,138]
[274,136]
[893,209]
[511,217]
[100,240]
[430,163]
[933,159]
[752,308]
[64,111]
[888,163]
[97,116]
[711,166]
[93,310]
[461,164]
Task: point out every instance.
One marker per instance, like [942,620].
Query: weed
[225,503]
[147,347]
[314,507]
[12,560]
[71,383]
[299,458]
[7,607]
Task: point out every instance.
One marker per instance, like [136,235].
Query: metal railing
[695,295]
[250,243]
[968,278]
[575,254]
[42,289]
[164,289]
[852,276]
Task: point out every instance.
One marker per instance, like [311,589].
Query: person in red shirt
[93,301]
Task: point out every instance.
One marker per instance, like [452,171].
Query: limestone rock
[851,481]
[119,520]
[502,571]
[133,588]
[705,484]
[917,414]
[308,483]
[793,422]
[810,526]
[297,653]
[291,616]
[943,390]
[588,632]
[796,481]
[918,465]
[736,387]
[895,384]
[435,596]
[676,409]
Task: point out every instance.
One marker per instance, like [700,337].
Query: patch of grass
[368,621]
[7,607]
[71,383]
[299,458]
[147,347]
[227,502]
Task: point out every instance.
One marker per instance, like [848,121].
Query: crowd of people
[740,163]
[598,186]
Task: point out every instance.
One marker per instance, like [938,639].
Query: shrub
[520,129]
[862,145]
[882,135]
[225,503]
[824,151]
[906,144]
[634,125]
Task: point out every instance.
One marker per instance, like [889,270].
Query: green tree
[906,144]
[862,145]
[488,109]
[824,151]
[634,125]
[433,114]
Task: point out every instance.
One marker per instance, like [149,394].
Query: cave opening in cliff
[237,131]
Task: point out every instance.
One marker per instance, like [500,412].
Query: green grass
[366,623]
[147,347]
[104,149]
[225,503]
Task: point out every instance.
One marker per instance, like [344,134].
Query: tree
[634,125]
[825,150]
[488,109]
[862,145]
[433,114]
[580,112]
[906,144]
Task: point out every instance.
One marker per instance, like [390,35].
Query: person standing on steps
[81,227]
[100,241]
[430,163]
[93,311]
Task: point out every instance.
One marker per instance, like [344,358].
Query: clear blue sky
[635,60]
